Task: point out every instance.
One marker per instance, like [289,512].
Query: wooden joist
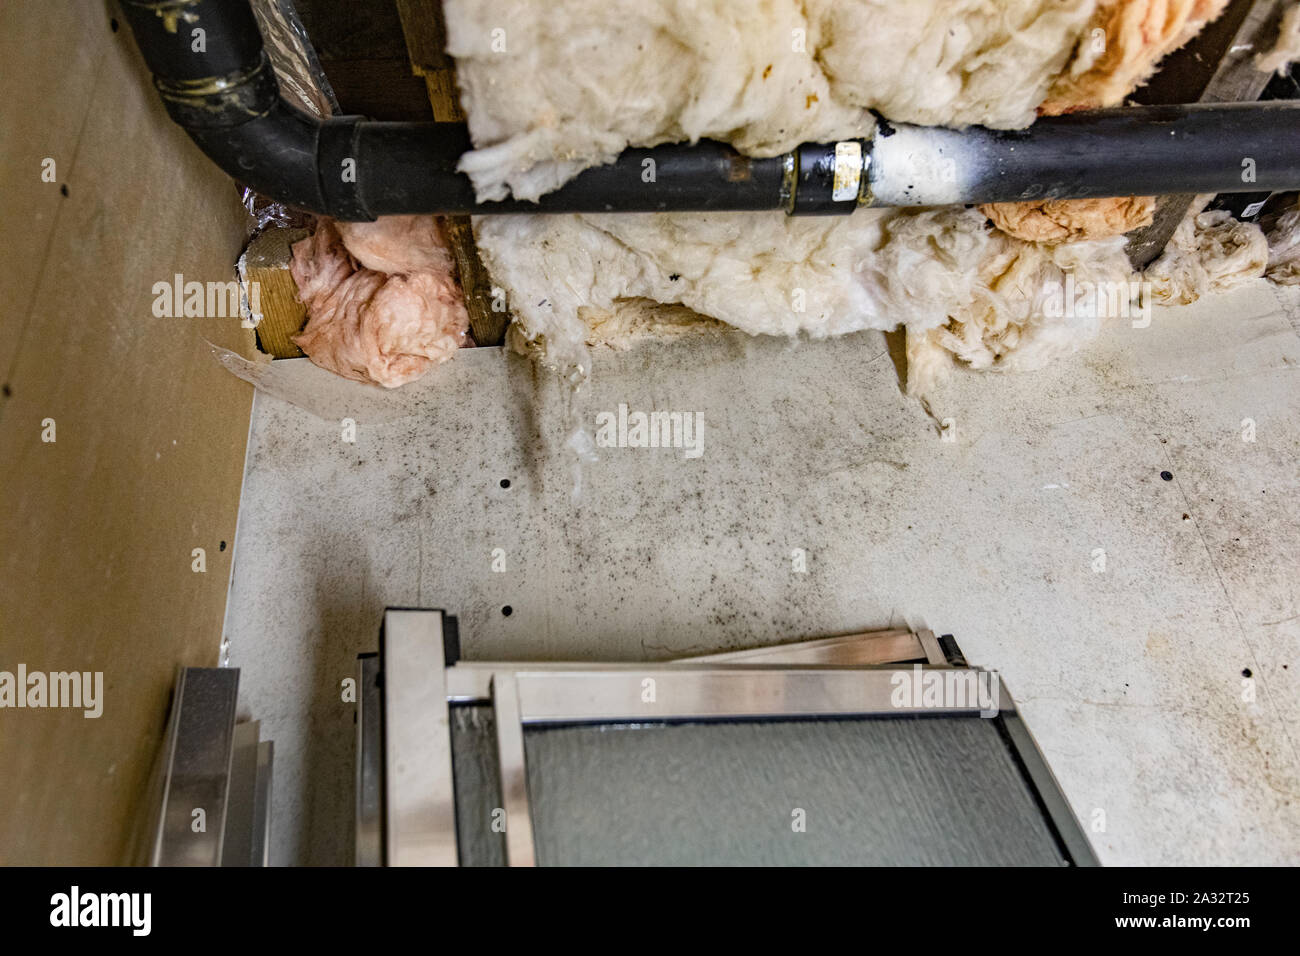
[426,41]
[1217,67]
[266,264]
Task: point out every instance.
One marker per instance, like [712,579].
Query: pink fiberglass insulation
[383,303]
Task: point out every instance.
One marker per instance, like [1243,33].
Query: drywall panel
[44,51]
[99,526]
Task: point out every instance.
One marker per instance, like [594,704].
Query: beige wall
[97,529]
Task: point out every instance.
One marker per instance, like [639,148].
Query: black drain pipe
[227,98]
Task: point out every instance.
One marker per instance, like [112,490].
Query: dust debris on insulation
[1284,249]
[1210,252]
[1287,49]
[569,85]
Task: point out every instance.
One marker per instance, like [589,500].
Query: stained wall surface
[99,526]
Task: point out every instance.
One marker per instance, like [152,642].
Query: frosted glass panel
[916,791]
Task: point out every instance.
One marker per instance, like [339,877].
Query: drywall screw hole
[507,610]
[505,482]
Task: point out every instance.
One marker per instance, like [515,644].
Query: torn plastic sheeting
[324,394]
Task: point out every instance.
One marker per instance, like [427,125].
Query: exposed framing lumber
[426,40]
[266,263]
[1228,57]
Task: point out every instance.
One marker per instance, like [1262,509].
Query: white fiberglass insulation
[767,273]
[551,88]
[1284,249]
[1209,252]
[1287,49]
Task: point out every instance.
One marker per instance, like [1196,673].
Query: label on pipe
[848,171]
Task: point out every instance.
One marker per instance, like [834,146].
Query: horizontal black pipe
[411,167]
[1244,147]
[225,95]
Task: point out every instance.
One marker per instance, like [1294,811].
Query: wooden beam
[426,42]
[1217,67]
[266,263]
[487,326]
[426,35]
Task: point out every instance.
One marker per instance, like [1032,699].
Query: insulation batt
[767,273]
[634,321]
[550,89]
[382,301]
[1208,252]
[1287,49]
[1284,249]
[1119,50]
[1065,220]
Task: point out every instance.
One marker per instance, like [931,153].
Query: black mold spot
[882,125]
